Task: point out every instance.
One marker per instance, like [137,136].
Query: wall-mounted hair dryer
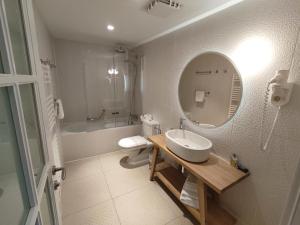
[281,91]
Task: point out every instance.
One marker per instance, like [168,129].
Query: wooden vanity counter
[215,173]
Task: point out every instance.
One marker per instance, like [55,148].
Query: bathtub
[86,139]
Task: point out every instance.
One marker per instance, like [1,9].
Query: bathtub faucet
[90,118]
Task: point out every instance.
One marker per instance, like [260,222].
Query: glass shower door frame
[12,81]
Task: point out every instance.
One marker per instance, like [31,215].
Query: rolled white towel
[189,193]
[59,109]
[148,117]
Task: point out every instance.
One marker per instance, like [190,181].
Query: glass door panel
[21,203]
[17,36]
[33,129]
[14,202]
[46,208]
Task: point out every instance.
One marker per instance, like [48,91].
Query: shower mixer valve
[90,118]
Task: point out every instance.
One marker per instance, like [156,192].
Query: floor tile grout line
[140,187]
[94,156]
[177,217]
[89,176]
[82,159]
[100,170]
[101,167]
[105,180]
[110,169]
[120,168]
[105,175]
[114,197]
[113,201]
[115,208]
[86,208]
[85,177]
[143,187]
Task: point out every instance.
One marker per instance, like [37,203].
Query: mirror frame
[180,77]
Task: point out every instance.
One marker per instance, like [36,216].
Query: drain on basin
[187,146]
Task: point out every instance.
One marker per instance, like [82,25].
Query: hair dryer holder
[281,94]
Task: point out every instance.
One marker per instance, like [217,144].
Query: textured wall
[259,37]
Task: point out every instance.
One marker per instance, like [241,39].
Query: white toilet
[139,147]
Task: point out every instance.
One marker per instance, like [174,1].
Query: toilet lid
[134,142]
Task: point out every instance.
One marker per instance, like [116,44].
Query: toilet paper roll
[199,96]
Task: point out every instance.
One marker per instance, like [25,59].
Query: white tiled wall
[83,75]
[86,88]
[71,59]
[259,36]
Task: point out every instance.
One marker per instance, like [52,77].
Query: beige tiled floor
[98,191]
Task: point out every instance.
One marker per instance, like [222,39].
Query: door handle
[56,185]
[57,169]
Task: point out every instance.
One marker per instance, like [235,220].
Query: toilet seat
[134,142]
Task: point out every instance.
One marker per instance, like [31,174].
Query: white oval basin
[188,145]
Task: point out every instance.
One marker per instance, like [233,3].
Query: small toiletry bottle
[234,160]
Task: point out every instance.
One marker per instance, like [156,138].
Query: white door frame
[13,81]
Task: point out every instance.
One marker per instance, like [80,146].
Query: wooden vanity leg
[154,161]
[202,201]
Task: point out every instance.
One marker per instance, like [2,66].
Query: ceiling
[86,20]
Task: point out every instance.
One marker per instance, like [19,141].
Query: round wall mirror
[210,90]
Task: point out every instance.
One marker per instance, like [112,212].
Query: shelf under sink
[174,181]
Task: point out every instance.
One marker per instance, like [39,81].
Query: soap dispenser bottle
[234,160]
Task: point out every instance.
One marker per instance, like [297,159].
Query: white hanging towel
[59,109]
[200,96]
[189,193]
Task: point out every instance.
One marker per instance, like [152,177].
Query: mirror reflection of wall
[210,90]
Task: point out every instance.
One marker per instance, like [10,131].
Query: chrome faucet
[181,125]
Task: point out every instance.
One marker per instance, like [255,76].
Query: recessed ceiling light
[110,27]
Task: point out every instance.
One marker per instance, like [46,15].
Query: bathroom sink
[188,145]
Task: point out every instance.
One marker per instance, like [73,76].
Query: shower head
[120,49]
